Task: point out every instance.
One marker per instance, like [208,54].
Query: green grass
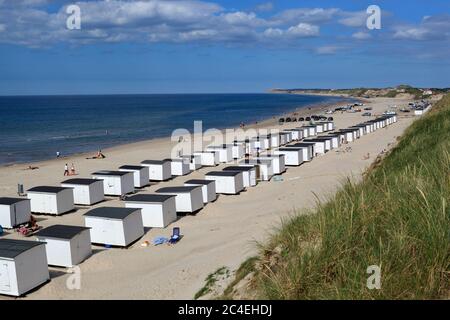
[398,218]
[245,268]
[210,281]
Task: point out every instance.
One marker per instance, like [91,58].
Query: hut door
[5,284]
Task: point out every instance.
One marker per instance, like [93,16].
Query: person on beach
[66,170]
[100,155]
[58,154]
[72,170]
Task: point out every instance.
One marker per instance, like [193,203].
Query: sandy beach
[223,233]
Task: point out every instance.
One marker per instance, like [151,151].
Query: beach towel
[159,240]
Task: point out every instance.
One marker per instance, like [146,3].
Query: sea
[34,128]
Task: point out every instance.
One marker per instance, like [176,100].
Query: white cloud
[306,15]
[430,28]
[353,19]
[361,35]
[327,50]
[303,30]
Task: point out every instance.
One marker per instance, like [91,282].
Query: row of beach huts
[24,263]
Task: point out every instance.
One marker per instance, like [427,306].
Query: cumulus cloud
[303,30]
[430,28]
[353,19]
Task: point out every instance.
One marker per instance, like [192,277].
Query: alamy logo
[73,22]
[374,19]
[374,280]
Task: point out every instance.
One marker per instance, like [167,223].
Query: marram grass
[397,218]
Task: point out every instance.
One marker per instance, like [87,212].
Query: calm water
[34,128]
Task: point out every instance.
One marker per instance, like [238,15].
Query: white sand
[222,234]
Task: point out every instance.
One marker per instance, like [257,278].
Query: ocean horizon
[35,127]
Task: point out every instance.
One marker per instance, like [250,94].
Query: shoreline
[300,111]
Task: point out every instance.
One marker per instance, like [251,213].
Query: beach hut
[195,161]
[225,152]
[361,129]
[319,128]
[307,150]
[238,149]
[158,170]
[327,125]
[179,167]
[23,266]
[274,140]
[311,130]
[285,137]
[227,182]
[114,226]
[297,134]
[115,183]
[208,158]
[157,210]
[265,142]
[304,131]
[348,135]
[248,174]
[85,191]
[140,174]
[278,162]
[293,156]
[264,169]
[245,143]
[319,146]
[188,198]
[328,142]
[208,188]
[65,246]
[51,200]
[14,211]
[335,141]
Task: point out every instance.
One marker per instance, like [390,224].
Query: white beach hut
[335,141]
[158,170]
[157,210]
[179,167]
[248,174]
[66,246]
[188,199]
[225,152]
[245,143]
[23,266]
[115,183]
[297,134]
[14,211]
[208,158]
[208,188]
[51,200]
[114,226]
[304,131]
[311,130]
[293,156]
[349,137]
[195,161]
[307,150]
[319,146]
[227,182]
[328,142]
[85,191]
[274,140]
[264,168]
[319,127]
[238,149]
[278,162]
[140,174]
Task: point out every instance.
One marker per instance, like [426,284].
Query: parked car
[288,119]
[301,119]
[308,119]
[368,108]
[281,120]
[330,119]
[366,114]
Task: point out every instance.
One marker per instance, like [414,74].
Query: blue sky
[171,46]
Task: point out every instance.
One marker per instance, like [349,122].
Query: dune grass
[397,218]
